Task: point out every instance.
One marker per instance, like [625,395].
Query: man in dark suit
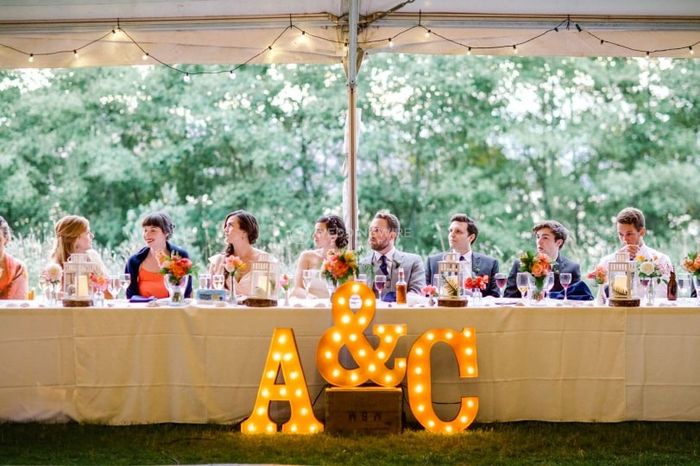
[386,260]
[550,237]
[462,234]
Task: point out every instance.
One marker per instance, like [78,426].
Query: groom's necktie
[461,258]
[383,268]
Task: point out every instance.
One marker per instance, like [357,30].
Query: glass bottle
[401,287]
[672,288]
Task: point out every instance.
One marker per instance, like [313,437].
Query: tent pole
[351,213]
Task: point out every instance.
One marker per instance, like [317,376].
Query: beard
[379,245]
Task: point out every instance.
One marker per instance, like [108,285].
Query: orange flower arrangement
[234,265]
[599,274]
[175,267]
[99,282]
[479,282]
[539,266]
[339,266]
[691,263]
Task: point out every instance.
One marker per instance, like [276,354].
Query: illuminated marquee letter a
[283,354]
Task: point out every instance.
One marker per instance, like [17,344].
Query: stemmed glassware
[379,283]
[114,286]
[683,281]
[696,284]
[548,284]
[565,280]
[501,281]
[218,281]
[204,281]
[522,281]
[307,276]
[124,281]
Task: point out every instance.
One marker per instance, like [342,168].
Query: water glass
[696,284]
[124,280]
[684,285]
[549,283]
[565,280]
[522,281]
[362,278]
[114,286]
[307,277]
[379,284]
[204,281]
[218,281]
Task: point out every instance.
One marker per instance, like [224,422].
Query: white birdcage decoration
[448,278]
[621,277]
[77,290]
[263,281]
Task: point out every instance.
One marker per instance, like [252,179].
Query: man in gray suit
[385,259]
[550,237]
[462,234]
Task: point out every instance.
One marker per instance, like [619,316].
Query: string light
[390,41]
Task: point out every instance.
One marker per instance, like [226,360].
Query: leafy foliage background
[508,140]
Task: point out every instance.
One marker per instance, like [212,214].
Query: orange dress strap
[151,284]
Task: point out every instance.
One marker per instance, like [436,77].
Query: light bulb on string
[428,32]
[515,50]
[31,58]
[75,53]
[469,50]
[391,42]
[690,50]
[145,56]
[186,78]
[232,74]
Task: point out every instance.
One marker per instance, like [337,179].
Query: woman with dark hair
[240,232]
[329,234]
[144,266]
[13,274]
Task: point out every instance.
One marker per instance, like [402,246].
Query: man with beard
[386,260]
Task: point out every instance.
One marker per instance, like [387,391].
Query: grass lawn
[508,443]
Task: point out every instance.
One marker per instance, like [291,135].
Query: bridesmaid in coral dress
[13,274]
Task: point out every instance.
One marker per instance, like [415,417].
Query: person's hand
[630,249]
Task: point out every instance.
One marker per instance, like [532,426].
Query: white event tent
[76,33]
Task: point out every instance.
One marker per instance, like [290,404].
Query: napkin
[578,291]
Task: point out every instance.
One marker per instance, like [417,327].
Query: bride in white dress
[329,235]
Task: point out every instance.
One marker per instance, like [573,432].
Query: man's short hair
[391,220]
[471,224]
[559,230]
[631,216]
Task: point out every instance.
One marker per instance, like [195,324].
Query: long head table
[202,364]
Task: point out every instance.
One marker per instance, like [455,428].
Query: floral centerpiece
[233,265]
[176,270]
[99,283]
[51,277]
[429,291]
[339,266]
[599,275]
[539,266]
[476,283]
[285,283]
[651,271]
[691,263]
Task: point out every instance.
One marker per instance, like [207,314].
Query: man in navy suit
[462,234]
[550,237]
[386,260]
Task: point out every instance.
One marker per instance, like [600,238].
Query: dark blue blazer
[135,261]
[562,265]
[481,265]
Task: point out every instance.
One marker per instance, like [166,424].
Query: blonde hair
[68,229]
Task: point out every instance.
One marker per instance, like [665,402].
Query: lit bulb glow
[419,379]
[348,330]
[284,343]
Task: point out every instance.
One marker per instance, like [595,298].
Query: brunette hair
[471,225]
[247,223]
[631,216]
[67,230]
[5,229]
[160,220]
[391,220]
[559,230]
[335,226]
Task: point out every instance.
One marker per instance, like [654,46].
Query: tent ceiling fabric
[227,32]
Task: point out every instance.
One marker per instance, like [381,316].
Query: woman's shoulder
[311,256]
[215,259]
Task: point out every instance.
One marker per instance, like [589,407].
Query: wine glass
[379,284]
[501,281]
[565,280]
[124,281]
[114,285]
[548,285]
[218,281]
[683,280]
[522,281]
[696,284]
[307,276]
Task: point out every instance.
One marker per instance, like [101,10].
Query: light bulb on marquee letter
[283,354]
[419,385]
[348,330]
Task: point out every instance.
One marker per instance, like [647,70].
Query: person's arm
[511,290]
[491,288]
[132,269]
[417,277]
[17,288]
[302,264]
[428,272]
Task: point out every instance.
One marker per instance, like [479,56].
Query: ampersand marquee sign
[347,330]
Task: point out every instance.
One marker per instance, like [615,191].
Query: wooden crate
[364,410]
